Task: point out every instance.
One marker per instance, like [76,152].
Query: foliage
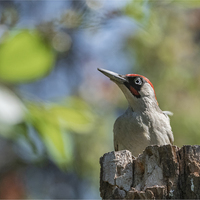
[66,130]
[24,57]
[54,123]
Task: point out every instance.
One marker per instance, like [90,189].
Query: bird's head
[138,90]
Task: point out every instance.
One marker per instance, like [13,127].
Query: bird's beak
[113,76]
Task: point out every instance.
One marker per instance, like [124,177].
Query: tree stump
[160,172]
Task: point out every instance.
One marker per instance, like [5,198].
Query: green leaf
[58,144]
[75,115]
[24,57]
[79,121]
[55,122]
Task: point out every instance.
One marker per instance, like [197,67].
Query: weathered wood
[160,172]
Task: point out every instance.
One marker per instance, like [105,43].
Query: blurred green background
[57,111]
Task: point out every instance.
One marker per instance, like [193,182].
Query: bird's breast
[130,132]
[134,132]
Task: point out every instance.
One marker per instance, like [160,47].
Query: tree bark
[160,172]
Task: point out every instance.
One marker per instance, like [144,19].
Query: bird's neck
[145,104]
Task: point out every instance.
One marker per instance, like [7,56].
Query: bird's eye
[138,81]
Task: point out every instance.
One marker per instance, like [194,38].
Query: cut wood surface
[160,172]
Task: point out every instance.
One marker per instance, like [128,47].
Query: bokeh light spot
[95,4]
[62,42]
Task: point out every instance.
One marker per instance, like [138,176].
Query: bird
[143,123]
